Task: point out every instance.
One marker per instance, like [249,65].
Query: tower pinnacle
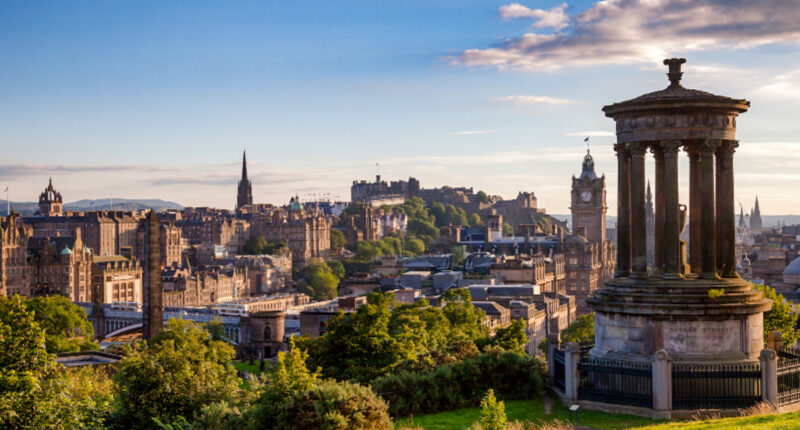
[244,195]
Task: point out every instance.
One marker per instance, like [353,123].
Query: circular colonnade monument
[700,310]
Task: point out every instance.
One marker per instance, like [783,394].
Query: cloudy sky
[158,99]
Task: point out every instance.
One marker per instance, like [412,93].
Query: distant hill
[29,208]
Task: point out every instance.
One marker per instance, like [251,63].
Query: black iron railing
[788,376]
[617,382]
[558,368]
[715,386]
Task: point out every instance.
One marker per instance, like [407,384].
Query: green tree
[357,345]
[439,213]
[512,337]
[456,216]
[493,413]
[466,320]
[415,246]
[475,220]
[337,268]
[37,393]
[175,375]
[337,240]
[580,331]
[781,317]
[508,229]
[255,245]
[459,255]
[65,325]
[319,281]
[482,197]
[288,377]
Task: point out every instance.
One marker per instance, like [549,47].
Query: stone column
[695,259]
[572,354]
[769,376]
[623,267]
[671,244]
[638,213]
[658,154]
[726,219]
[708,236]
[662,384]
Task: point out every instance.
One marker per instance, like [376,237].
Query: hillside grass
[524,410]
[533,411]
[759,422]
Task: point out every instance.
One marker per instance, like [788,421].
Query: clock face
[586,196]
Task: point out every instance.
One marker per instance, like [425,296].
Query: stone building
[50,201]
[59,265]
[266,274]
[116,279]
[171,243]
[203,286]
[15,273]
[305,230]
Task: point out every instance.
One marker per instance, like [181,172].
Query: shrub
[493,413]
[459,385]
[335,405]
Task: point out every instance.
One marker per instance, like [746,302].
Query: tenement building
[116,279]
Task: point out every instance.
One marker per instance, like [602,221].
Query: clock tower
[588,204]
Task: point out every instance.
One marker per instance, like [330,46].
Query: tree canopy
[64,323]
[174,375]
[259,245]
[782,317]
[320,280]
[580,331]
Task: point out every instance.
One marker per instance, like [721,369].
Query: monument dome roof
[675,96]
[793,268]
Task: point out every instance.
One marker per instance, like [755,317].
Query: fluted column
[726,223]
[658,155]
[695,253]
[708,237]
[638,213]
[672,228]
[623,267]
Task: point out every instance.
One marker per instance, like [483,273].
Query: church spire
[244,195]
[244,165]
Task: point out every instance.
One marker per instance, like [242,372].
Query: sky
[152,99]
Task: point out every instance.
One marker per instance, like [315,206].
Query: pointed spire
[756,210]
[244,165]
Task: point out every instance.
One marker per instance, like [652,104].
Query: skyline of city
[157,101]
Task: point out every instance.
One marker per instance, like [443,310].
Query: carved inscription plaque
[702,337]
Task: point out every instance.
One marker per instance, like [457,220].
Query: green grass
[760,422]
[523,410]
[242,366]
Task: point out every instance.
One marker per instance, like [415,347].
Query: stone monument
[152,307]
[699,310]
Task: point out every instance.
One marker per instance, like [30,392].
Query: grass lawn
[760,422]
[243,365]
[524,410]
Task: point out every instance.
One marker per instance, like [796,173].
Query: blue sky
[158,99]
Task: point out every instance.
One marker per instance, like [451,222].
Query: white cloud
[470,132]
[554,18]
[591,133]
[642,31]
[532,100]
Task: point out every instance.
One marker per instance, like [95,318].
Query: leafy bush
[459,385]
[782,317]
[582,330]
[336,406]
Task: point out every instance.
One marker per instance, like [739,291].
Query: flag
[586,140]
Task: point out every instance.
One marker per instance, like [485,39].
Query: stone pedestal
[662,383]
[572,354]
[769,376]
